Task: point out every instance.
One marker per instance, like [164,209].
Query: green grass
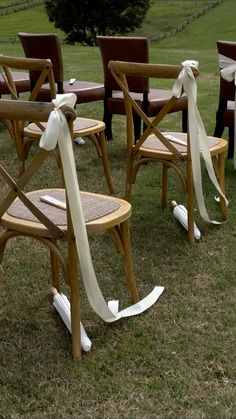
[176,360]
[36,21]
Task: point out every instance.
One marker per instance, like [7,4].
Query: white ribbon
[57,132]
[228,72]
[198,139]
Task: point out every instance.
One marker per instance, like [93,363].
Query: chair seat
[98,211]
[152,145]
[21,80]
[84,90]
[81,127]
[156,98]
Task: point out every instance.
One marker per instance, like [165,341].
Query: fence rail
[186,22]
[17,5]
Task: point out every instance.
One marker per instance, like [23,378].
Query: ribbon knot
[57,123]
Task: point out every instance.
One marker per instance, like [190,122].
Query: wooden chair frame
[16,127]
[172,156]
[49,233]
[22,132]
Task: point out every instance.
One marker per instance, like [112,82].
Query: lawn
[176,360]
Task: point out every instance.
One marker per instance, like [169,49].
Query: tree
[83,20]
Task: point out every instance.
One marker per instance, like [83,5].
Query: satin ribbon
[198,138]
[228,73]
[57,132]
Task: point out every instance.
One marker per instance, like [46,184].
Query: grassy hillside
[162,16]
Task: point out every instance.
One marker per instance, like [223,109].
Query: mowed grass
[176,360]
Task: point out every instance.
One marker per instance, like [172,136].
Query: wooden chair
[132,49]
[226,105]
[24,214]
[47,45]
[25,133]
[170,149]
[45,74]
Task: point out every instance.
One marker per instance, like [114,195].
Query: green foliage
[85,20]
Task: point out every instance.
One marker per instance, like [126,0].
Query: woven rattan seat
[94,207]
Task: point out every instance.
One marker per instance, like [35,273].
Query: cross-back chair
[170,149]
[16,127]
[226,105]
[47,45]
[25,214]
[26,132]
[151,100]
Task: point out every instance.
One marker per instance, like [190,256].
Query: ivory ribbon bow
[57,132]
[198,137]
[228,72]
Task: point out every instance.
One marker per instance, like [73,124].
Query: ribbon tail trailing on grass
[57,132]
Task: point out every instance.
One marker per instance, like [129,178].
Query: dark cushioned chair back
[124,48]
[44,45]
[228,49]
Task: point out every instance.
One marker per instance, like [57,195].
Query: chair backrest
[226,49]
[47,46]
[121,71]
[18,111]
[124,48]
[43,68]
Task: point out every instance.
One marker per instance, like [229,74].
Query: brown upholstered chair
[21,80]
[170,149]
[226,105]
[24,214]
[132,49]
[47,45]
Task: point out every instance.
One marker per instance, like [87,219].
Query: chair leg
[185,120]
[101,140]
[190,206]
[55,271]
[137,127]
[219,128]
[108,122]
[221,180]
[128,262]
[74,296]
[230,154]
[164,186]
